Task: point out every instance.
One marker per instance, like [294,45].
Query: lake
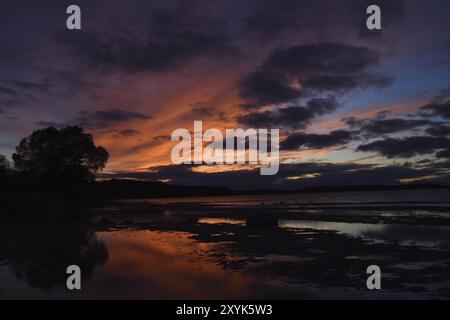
[295,246]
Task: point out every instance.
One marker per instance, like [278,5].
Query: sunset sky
[353,106]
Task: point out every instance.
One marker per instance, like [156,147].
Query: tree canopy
[60,157]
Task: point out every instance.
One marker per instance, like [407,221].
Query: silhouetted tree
[65,158]
[5,169]
[4,164]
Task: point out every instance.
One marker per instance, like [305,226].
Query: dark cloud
[266,87]
[126,133]
[71,82]
[327,58]
[155,141]
[292,116]
[327,66]
[377,126]
[271,19]
[437,109]
[444,95]
[21,85]
[439,130]
[13,93]
[53,124]
[167,38]
[316,141]
[288,74]
[406,147]
[347,82]
[99,119]
[8,91]
[204,111]
[9,103]
[443,154]
[107,118]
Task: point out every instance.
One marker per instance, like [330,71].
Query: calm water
[278,246]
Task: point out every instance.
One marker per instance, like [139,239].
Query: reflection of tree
[40,253]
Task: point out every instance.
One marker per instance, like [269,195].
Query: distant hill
[125,188]
[414,186]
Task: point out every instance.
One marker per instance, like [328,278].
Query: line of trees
[50,159]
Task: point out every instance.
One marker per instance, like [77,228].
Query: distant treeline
[124,188]
[357,188]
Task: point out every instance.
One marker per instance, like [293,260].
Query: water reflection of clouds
[166,265]
[240,222]
[430,236]
[248,255]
